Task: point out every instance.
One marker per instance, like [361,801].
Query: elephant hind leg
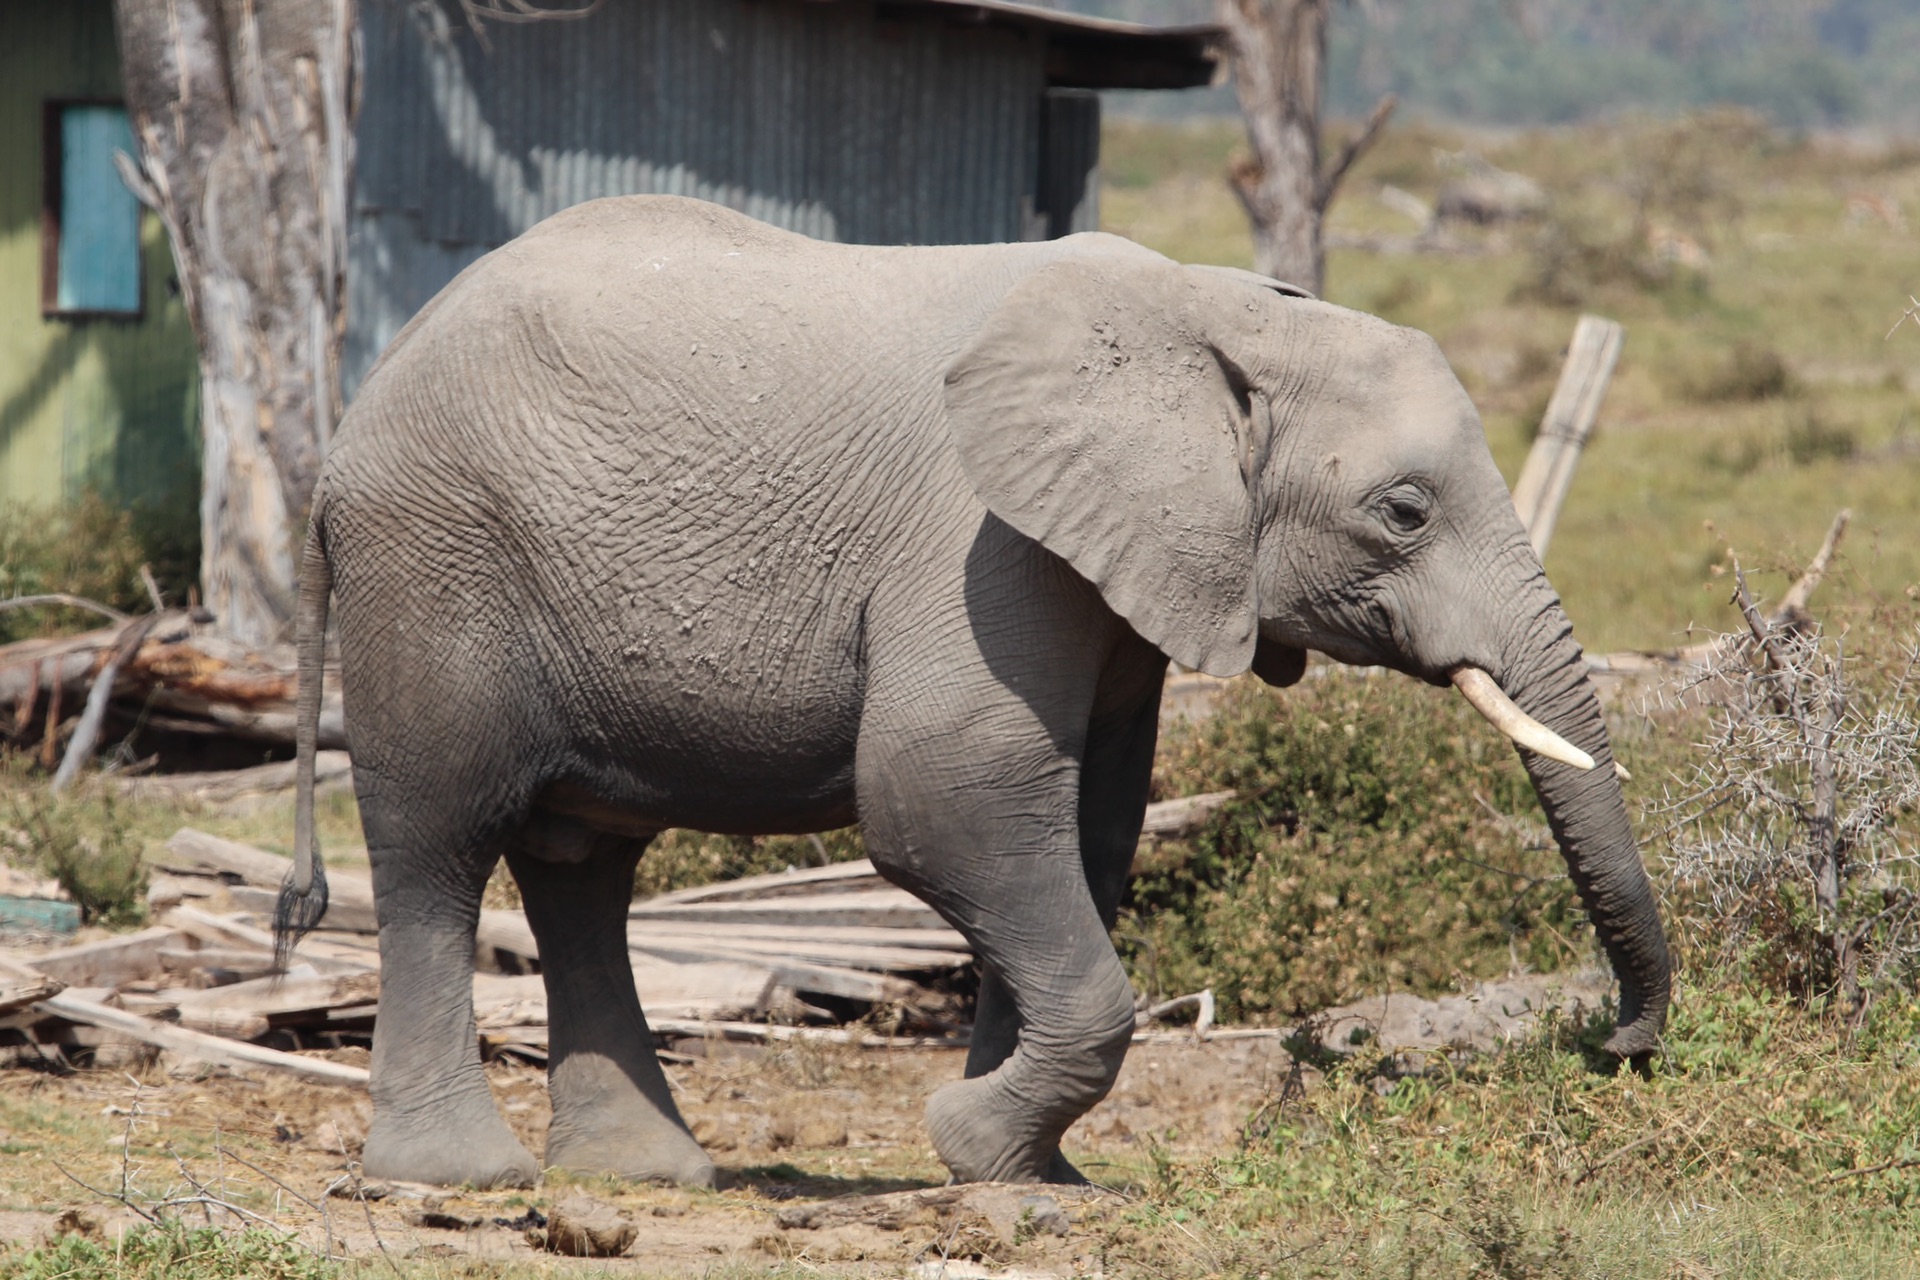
[612,1110]
[434,1118]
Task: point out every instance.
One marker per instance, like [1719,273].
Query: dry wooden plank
[850,984]
[763,1031]
[507,931]
[244,962]
[111,961]
[343,914]
[17,993]
[1571,414]
[199,1045]
[873,958]
[285,996]
[826,935]
[224,931]
[854,875]
[230,1024]
[717,989]
[887,908]
[1171,819]
[219,931]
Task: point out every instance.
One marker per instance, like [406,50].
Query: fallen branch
[80,749]
[61,598]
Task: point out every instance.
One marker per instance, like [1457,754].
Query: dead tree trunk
[1277,50]
[243,116]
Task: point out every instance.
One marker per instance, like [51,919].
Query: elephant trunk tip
[1504,714]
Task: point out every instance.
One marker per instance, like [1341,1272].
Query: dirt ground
[823,1152]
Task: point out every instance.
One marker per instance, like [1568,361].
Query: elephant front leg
[434,1118]
[612,1109]
[1011,880]
[1114,778]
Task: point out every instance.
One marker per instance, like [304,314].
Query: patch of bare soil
[823,1150]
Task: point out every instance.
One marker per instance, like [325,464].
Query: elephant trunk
[1545,674]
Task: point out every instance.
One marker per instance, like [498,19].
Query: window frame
[52,149]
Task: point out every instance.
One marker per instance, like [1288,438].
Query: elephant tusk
[1478,688]
[1620,772]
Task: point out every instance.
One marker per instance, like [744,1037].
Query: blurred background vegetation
[1796,63]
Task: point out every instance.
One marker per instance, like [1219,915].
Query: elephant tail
[303,898]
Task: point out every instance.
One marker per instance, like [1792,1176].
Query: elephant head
[1246,475]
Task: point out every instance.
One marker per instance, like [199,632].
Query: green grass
[1752,1152]
[1694,453]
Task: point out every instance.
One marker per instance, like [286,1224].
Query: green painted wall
[104,404]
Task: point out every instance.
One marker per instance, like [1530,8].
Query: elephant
[658,516]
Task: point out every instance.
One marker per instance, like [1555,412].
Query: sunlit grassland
[1680,469]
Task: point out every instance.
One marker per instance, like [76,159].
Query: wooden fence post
[1575,406]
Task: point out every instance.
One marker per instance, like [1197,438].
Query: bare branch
[1355,147]
[61,598]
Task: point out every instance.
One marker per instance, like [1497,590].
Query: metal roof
[1085,52]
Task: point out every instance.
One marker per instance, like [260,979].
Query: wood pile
[172,672]
[770,957]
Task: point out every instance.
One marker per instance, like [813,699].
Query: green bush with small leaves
[1384,836]
[172,1251]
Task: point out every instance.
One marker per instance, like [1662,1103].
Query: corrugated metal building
[882,121]
[873,121]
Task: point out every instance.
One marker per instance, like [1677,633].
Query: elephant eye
[1406,510]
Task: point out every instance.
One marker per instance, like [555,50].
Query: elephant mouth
[1486,697]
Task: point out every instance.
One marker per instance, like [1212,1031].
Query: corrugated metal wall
[813,117]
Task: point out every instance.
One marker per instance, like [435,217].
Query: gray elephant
[660,517]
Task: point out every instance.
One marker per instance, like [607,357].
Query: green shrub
[171,1251]
[1384,836]
[83,841]
[681,859]
[1748,370]
[92,548]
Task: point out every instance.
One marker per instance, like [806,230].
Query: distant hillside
[1800,63]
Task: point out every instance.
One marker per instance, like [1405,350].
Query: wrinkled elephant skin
[659,517]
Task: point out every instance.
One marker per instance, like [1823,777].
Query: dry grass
[1696,450]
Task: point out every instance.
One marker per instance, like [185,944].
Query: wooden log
[200,1046]
[87,732]
[333,770]
[188,674]
[111,961]
[1571,413]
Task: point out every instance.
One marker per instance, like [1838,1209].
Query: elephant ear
[1099,412]
[1254,278]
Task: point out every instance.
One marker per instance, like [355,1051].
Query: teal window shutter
[99,257]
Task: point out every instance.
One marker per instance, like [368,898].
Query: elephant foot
[671,1156]
[1060,1170]
[982,1139]
[482,1153]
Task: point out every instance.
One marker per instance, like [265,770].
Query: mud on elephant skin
[661,517]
